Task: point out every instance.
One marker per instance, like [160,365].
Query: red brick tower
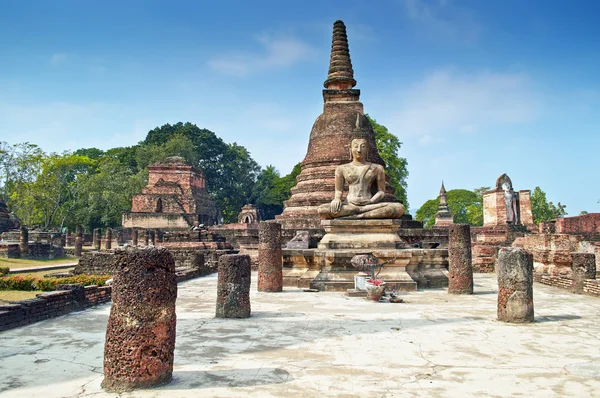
[328,147]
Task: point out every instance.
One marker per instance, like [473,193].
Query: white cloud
[447,102]
[58,58]
[275,53]
[442,19]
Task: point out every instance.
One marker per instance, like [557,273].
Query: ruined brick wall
[158,220]
[50,305]
[96,263]
[591,287]
[525,207]
[587,224]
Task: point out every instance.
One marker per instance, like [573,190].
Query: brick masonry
[51,304]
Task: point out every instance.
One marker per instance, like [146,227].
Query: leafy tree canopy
[542,209]
[466,207]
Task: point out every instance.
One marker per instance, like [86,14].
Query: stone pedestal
[233,286]
[134,237]
[108,239]
[140,336]
[24,242]
[78,241]
[361,234]
[515,285]
[584,267]
[270,263]
[96,238]
[460,266]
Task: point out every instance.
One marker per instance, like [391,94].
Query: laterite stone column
[460,268]
[78,241]
[270,260]
[96,238]
[140,336]
[515,285]
[134,237]
[24,242]
[153,238]
[147,237]
[584,267]
[233,286]
[108,239]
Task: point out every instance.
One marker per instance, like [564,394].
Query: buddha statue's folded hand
[336,206]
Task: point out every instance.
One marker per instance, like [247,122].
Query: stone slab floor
[299,344]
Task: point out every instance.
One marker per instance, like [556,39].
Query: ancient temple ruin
[174,198]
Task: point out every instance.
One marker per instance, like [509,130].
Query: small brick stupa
[443,218]
[174,198]
[329,144]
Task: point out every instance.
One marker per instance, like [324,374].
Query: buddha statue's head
[359,149]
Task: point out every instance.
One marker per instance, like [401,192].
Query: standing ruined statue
[512,204]
[366,189]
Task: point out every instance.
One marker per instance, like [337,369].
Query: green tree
[475,210]
[543,210]
[229,169]
[396,167]
[459,201]
[106,194]
[271,190]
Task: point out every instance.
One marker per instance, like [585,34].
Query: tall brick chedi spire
[329,146]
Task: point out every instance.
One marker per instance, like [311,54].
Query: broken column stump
[140,336]
[515,285]
[460,265]
[108,239]
[24,242]
[584,267]
[78,241]
[270,260]
[233,286]
[96,238]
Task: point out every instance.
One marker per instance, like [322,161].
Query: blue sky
[473,89]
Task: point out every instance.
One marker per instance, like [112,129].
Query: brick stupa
[329,145]
[174,198]
[443,218]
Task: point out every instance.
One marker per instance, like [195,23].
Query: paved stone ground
[299,344]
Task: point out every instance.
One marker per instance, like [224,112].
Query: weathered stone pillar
[134,237]
[108,239]
[153,238]
[157,236]
[270,260]
[78,241]
[24,242]
[233,286]
[140,336]
[460,268]
[147,237]
[584,267]
[515,285]
[68,238]
[96,238]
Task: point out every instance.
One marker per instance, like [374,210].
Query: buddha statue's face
[359,148]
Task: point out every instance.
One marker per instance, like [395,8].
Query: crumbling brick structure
[175,197]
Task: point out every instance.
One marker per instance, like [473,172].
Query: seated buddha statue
[361,176]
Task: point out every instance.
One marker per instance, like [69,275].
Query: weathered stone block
[140,336]
[233,286]
[515,285]
[460,265]
[584,267]
[78,241]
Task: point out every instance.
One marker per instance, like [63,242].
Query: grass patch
[25,263]
[7,296]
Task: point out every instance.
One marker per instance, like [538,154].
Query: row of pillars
[140,336]
[515,274]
